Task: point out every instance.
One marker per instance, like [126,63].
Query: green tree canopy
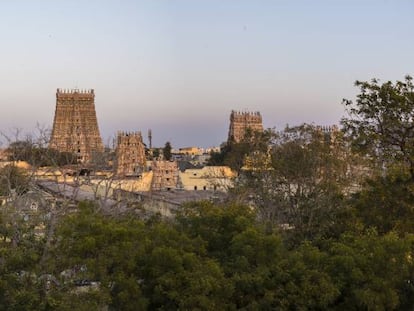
[300,183]
[381,122]
[234,154]
[213,257]
[13,180]
[166,151]
[37,156]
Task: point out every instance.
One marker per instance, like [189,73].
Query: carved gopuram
[331,133]
[130,154]
[165,175]
[241,121]
[75,126]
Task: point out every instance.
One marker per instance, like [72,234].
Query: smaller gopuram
[165,175]
[130,154]
[241,121]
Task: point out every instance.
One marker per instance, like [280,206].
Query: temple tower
[241,121]
[130,154]
[75,126]
[165,175]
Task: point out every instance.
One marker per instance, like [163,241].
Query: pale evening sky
[180,66]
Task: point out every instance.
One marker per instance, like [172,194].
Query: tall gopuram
[241,121]
[75,126]
[130,154]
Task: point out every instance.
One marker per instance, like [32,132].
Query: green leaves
[166,151]
[13,180]
[302,185]
[381,122]
[371,270]
[213,257]
[386,203]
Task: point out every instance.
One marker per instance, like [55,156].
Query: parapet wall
[74,93]
[238,115]
[123,134]
[327,128]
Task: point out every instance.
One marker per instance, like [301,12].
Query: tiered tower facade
[165,175]
[130,154]
[241,121]
[331,133]
[75,126]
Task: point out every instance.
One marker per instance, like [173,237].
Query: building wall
[191,151]
[130,154]
[207,178]
[75,126]
[241,121]
[141,184]
[20,164]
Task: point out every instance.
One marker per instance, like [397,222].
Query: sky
[179,67]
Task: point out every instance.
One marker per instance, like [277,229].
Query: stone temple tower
[75,126]
[130,154]
[241,121]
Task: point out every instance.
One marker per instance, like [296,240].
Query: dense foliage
[39,156]
[233,153]
[166,151]
[380,122]
[211,258]
[13,181]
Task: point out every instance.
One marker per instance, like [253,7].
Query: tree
[106,248]
[385,203]
[217,157]
[166,151]
[155,153]
[215,224]
[33,149]
[371,272]
[234,154]
[140,265]
[39,156]
[13,180]
[301,183]
[231,238]
[263,273]
[381,122]
[211,257]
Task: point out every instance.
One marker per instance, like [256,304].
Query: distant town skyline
[180,67]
